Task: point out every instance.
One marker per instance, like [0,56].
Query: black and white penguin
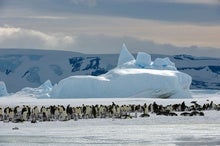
[6,114]
[183,106]
[155,107]
[94,112]
[1,114]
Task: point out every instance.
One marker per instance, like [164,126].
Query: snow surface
[155,130]
[131,78]
[114,132]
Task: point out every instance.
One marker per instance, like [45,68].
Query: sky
[102,26]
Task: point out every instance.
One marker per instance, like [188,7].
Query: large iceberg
[138,77]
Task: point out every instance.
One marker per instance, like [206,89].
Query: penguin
[52,110]
[16,110]
[35,112]
[56,113]
[101,111]
[44,116]
[6,114]
[86,112]
[24,114]
[63,116]
[211,105]
[83,110]
[1,114]
[11,114]
[78,113]
[94,113]
[183,106]
[69,111]
[155,107]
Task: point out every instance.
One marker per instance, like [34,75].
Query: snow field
[141,131]
[154,130]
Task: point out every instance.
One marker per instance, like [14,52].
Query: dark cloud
[1,5]
[23,13]
[143,9]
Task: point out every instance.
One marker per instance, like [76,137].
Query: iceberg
[125,57]
[164,63]
[3,89]
[143,60]
[132,77]
[40,92]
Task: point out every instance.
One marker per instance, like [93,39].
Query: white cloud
[12,37]
[179,34]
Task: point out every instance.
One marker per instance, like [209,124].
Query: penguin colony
[61,113]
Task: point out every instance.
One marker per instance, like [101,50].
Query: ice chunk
[164,63]
[143,59]
[39,92]
[3,89]
[125,56]
[46,85]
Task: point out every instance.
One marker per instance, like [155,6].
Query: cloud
[89,3]
[193,11]
[12,37]
[102,44]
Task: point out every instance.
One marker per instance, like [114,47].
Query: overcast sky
[102,26]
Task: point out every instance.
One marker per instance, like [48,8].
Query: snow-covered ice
[111,132]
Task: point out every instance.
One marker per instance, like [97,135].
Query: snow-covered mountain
[21,68]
